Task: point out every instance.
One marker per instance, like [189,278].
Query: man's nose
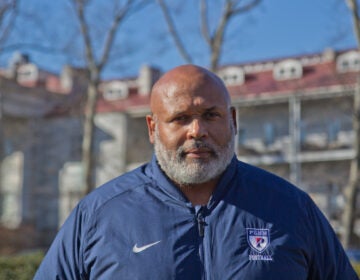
[197,129]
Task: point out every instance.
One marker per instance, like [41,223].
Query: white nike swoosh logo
[137,249]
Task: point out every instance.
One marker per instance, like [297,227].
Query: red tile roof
[314,76]
[133,101]
[320,73]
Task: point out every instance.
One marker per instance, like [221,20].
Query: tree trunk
[88,159]
[352,187]
[95,67]
[350,193]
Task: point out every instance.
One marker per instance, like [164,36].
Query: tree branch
[6,7]
[89,54]
[32,46]
[111,34]
[353,6]
[218,37]
[10,6]
[216,40]
[174,34]
[204,22]
[245,8]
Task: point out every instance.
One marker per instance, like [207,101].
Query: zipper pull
[201,224]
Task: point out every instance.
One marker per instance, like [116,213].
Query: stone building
[33,104]
[294,119]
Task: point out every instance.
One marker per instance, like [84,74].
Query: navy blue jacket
[140,226]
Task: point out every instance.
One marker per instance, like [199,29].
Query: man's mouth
[198,153]
[197,150]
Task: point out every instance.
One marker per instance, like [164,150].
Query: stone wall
[139,149]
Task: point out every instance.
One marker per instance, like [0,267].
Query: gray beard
[196,171]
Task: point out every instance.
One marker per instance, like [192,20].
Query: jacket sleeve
[64,258]
[328,260]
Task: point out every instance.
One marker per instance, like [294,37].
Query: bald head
[186,78]
[192,126]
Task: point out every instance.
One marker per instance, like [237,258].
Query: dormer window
[116,90]
[232,76]
[287,70]
[348,62]
[27,73]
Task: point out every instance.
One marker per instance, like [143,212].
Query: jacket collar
[161,181]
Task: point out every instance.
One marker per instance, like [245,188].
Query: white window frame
[348,62]
[116,90]
[232,76]
[27,73]
[288,69]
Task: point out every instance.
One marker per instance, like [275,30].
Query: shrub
[356,266]
[21,267]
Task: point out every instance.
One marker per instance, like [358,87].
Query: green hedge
[357,268]
[22,267]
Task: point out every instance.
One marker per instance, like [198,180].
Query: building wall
[41,171]
[139,149]
[111,140]
[263,128]
[327,122]
[57,141]
[324,144]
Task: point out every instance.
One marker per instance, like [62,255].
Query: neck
[199,194]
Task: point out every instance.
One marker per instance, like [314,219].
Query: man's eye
[180,119]
[211,115]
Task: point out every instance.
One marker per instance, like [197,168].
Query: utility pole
[294,130]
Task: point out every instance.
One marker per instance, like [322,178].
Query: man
[195,211]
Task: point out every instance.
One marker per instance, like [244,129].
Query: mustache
[196,144]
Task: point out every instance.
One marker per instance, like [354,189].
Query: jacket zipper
[201,230]
[201,223]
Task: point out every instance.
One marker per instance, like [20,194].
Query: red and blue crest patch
[258,239]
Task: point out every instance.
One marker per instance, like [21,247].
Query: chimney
[328,54]
[147,77]
[66,78]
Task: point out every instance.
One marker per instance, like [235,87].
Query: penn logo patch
[258,239]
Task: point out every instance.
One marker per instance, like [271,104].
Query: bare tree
[95,65]
[8,13]
[14,16]
[174,32]
[214,38]
[351,190]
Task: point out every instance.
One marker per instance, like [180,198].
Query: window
[288,69]
[27,73]
[349,61]
[241,136]
[11,190]
[333,130]
[269,134]
[232,75]
[302,132]
[116,90]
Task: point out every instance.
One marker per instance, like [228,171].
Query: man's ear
[151,127]
[233,118]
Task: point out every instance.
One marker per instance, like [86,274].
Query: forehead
[186,92]
[182,99]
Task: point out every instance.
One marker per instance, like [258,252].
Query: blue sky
[297,27]
[280,28]
[277,28]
